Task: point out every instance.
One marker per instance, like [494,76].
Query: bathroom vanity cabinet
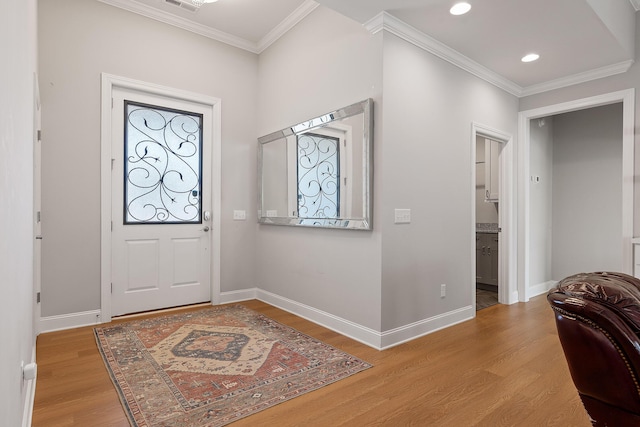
[487,258]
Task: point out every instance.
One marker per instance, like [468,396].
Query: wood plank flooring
[504,368]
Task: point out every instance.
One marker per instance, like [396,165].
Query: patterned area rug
[213,366]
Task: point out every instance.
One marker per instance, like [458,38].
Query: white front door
[161,202]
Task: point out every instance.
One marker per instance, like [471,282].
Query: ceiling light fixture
[530,57]
[198,3]
[460,8]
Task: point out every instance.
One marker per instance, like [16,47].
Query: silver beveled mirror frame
[359,223]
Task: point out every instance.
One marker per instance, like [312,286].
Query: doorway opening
[527,179]
[487,220]
[493,241]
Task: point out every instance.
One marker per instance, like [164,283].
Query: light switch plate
[402,216]
[239,215]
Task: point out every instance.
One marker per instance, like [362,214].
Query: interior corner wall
[78,41]
[540,206]
[429,108]
[18,46]
[325,62]
[587,191]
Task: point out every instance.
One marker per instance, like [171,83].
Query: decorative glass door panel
[162,165]
[318,176]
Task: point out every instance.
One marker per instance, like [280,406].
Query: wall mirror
[318,173]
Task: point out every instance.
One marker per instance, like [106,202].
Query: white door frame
[507,292]
[37,205]
[108,83]
[627,97]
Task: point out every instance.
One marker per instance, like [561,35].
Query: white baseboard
[512,298]
[93,317]
[69,321]
[342,326]
[363,334]
[541,288]
[360,333]
[30,396]
[396,336]
[237,296]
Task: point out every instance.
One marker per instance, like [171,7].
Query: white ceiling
[577,39]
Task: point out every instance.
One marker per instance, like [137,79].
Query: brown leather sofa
[598,321]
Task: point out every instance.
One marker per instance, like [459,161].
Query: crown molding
[185,24]
[598,73]
[387,22]
[168,18]
[287,24]
[635,4]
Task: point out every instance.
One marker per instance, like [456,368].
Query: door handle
[205,229]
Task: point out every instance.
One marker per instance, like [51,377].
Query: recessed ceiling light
[530,57]
[460,8]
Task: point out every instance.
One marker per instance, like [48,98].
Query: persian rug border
[129,404]
[309,363]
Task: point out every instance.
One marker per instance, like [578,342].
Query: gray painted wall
[429,106]
[18,47]
[325,62]
[587,196]
[79,40]
[390,277]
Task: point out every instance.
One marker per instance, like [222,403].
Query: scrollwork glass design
[162,165]
[318,176]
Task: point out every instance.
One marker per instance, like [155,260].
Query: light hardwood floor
[504,368]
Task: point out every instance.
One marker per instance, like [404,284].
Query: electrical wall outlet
[443,290]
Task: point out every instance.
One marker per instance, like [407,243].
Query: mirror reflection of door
[318,178]
[322,184]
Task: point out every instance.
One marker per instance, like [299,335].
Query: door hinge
[38,298]
[38,216]
[112,160]
[112,288]
[39,135]
[111,225]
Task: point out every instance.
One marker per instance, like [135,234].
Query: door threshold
[162,311]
